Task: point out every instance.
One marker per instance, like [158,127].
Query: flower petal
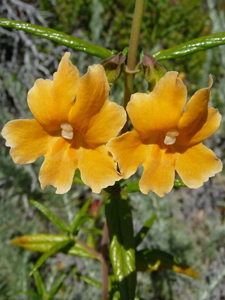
[196,164]
[106,124]
[159,169]
[161,109]
[204,127]
[97,167]
[196,106]
[28,140]
[59,166]
[129,151]
[50,101]
[93,91]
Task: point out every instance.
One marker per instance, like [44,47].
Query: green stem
[132,55]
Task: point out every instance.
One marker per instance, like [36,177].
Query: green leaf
[144,230]
[80,215]
[193,46]
[58,37]
[39,242]
[133,186]
[153,259]
[56,221]
[57,286]
[122,246]
[39,284]
[57,247]
[32,294]
[90,281]
[44,242]
[79,250]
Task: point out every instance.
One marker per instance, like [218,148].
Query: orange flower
[165,138]
[73,120]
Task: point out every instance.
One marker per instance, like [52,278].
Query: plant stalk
[104,251]
[132,55]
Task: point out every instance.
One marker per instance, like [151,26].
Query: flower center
[67,131]
[170,138]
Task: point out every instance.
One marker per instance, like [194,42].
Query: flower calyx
[113,67]
[152,70]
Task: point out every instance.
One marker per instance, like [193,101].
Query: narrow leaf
[39,242]
[193,46]
[32,294]
[57,286]
[58,37]
[122,246]
[44,242]
[80,215]
[80,251]
[39,284]
[91,281]
[153,259]
[57,247]
[56,221]
[144,230]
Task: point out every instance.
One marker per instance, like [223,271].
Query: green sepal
[55,220]
[190,47]
[77,178]
[179,183]
[39,284]
[122,246]
[57,286]
[144,230]
[153,71]
[58,37]
[56,248]
[149,260]
[125,51]
[76,221]
[113,67]
[133,186]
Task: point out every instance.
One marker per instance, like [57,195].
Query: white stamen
[66,127]
[170,138]
[67,131]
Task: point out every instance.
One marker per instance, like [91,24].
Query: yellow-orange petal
[59,166]
[28,140]
[106,124]
[196,164]
[50,101]
[93,91]
[205,127]
[159,169]
[196,106]
[129,151]
[97,167]
[161,109]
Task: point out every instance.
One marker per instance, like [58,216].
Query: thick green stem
[132,55]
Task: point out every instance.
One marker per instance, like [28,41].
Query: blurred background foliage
[190,223]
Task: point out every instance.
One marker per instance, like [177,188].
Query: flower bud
[153,70]
[113,67]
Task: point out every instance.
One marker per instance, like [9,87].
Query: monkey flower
[165,138]
[73,120]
